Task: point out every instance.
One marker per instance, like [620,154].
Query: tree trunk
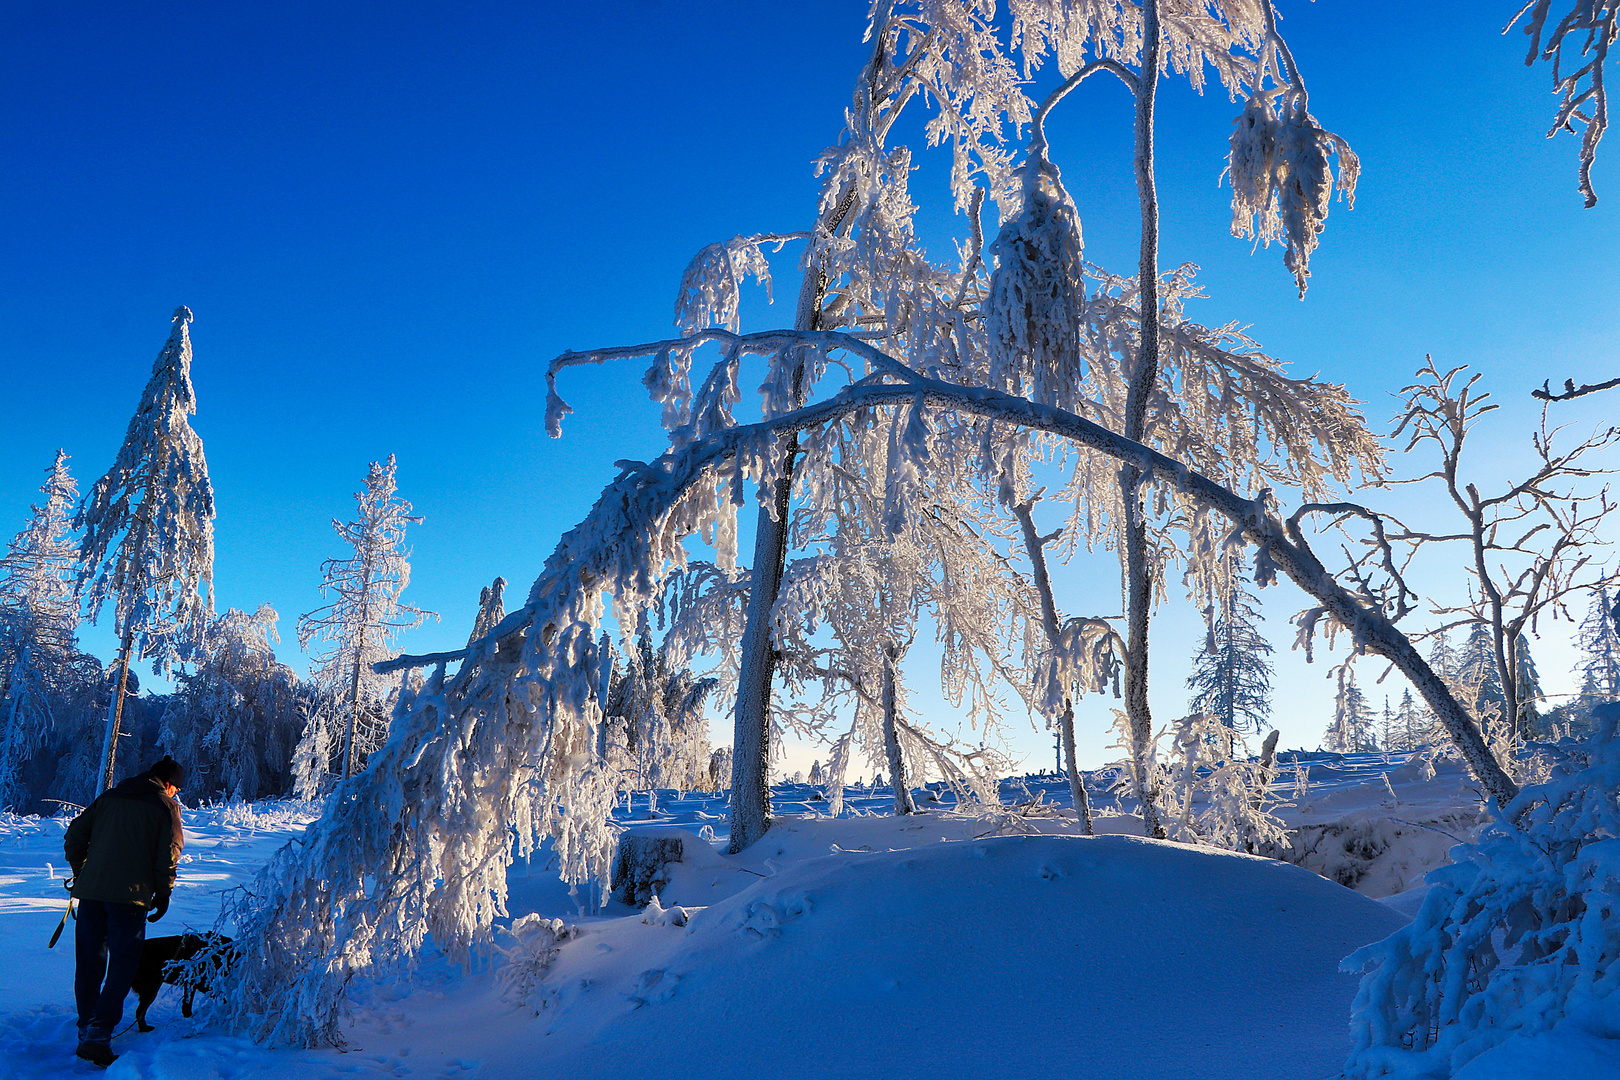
[115,711]
[1077,787]
[354,719]
[899,781]
[750,813]
[1138,585]
[1049,621]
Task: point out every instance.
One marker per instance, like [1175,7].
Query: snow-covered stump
[641,867]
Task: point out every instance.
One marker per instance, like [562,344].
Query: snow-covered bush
[1213,792]
[535,943]
[1519,935]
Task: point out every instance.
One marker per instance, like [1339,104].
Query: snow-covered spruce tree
[1412,724]
[1599,666]
[39,619]
[357,630]
[1352,730]
[149,532]
[1231,677]
[1477,670]
[237,717]
[491,609]
[1517,936]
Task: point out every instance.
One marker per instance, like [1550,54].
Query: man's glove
[160,907]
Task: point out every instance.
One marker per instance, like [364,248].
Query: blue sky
[388,220]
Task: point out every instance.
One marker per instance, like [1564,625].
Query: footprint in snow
[654,986]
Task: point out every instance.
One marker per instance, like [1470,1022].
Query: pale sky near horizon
[387,224]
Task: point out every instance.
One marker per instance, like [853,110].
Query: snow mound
[992,957]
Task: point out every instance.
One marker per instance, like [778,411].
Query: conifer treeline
[142,539]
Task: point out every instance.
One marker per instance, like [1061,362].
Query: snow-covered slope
[993,957]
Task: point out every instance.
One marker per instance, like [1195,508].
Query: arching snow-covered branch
[419,843]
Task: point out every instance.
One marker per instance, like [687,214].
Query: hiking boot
[97,1053]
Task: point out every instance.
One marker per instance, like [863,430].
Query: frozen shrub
[535,943]
[1519,935]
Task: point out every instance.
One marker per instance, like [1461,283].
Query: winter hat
[169,771]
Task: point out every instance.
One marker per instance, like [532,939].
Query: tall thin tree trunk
[1138,585]
[1036,547]
[750,812]
[354,719]
[1077,786]
[898,780]
[115,711]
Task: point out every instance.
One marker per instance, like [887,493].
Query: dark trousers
[107,946]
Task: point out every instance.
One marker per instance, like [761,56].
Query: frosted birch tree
[1530,541]
[148,527]
[39,619]
[507,748]
[357,629]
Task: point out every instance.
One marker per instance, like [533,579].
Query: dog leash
[68,885]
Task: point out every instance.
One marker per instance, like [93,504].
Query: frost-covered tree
[655,728]
[1599,641]
[1231,677]
[1444,659]
[1412,724]
[1214,791]
[1352,730]
[149,532]
[491,609]
[889,549]
[356,630]
[506,750]
[237,717]
[39,619]
[1529,540]
[1477,670]
[1529,692]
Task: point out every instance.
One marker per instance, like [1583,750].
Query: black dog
[161,961]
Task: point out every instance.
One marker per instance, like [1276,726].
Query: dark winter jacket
[126,847]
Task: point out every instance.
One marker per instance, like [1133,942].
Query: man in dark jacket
[124,851]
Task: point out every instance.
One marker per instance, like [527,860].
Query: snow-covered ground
[947,944]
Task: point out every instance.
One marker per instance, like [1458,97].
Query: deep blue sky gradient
[388,220]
